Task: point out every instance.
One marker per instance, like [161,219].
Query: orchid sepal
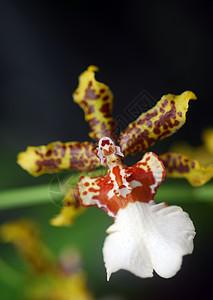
[58,156]
[179,165]
[164,119]
[96,100]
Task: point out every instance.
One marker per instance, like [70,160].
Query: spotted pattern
[59,156]
[96,99]
[108,153]
[122,185]
[180,166]
[164,119]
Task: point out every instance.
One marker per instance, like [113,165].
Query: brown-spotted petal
[96,99]
[59,156]
[181,166]
[164,119]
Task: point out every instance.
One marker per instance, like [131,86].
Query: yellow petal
[181,166]
[25,236]
[70,211]
[96,99]
[59,156]
[164,119]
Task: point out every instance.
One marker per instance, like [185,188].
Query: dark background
[157,46]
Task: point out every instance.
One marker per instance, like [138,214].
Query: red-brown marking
[122,186]
[171,165]
[63,150]
[93,122]
[55,152]
[93,190]
[149,124]
[90,94]
[49,152]
[193,164]
[166,119]
[119,179]
[105,98]
[106,110]
[138,144]
[165,103]
[105,142]
[39,154]
[165,133]
[148,117]
[46,164]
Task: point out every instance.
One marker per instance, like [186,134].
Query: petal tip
[92,68]
[108,275]
[27,160]
[190,95]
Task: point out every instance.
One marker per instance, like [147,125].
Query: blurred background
[154,46]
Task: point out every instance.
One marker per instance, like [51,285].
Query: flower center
[108,152]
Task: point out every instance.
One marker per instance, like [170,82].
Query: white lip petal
[147,236]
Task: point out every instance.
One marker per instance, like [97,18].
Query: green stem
[41,194]
[26,196]
[168,192]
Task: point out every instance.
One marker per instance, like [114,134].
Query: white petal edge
[147,236]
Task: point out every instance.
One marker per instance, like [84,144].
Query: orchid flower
[145,236]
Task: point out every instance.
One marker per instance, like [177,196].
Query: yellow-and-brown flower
[142,237]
